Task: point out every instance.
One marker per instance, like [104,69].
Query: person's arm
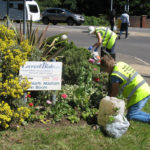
[114,20]
[98,43]
[114,90]
[128,20]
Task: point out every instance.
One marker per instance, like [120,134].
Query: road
[138,44]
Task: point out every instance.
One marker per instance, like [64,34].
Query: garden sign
[42,75]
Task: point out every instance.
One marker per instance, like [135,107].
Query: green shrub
[96,21]
[75,64]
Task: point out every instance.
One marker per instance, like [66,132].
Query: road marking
[146,63]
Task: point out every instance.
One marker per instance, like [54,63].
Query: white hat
[91,29]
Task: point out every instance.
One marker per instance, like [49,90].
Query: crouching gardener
[124,79]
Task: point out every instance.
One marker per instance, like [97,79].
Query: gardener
[106,38]
[126,80]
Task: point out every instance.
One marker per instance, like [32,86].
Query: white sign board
[42,75]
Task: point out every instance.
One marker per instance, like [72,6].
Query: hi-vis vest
[134,87]
[108,36]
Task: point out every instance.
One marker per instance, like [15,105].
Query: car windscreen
[33,8]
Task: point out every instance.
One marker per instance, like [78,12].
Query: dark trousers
[124,27]
[111,52]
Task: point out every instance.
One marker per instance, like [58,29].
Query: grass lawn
[73,137]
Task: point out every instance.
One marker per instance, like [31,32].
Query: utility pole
[111,6]
[24,18]
[7,13]
[127,6]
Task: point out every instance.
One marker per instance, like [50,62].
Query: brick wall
[135,21]
[139,21]
[148,23]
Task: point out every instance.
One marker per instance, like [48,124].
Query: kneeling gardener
[124,79]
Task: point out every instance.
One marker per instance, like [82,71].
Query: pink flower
[48,102]
[95,69]
[28,95]
[91,60]
[64,95]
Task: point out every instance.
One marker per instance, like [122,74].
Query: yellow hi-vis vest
[134,87]
[108,36]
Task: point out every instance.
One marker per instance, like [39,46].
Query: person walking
[106,39]
[124,79]
[112,19]
[125,22]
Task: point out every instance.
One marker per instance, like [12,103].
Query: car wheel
[54,23]
[45,20]
[78,24]
[70,22]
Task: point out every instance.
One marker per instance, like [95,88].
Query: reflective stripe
[109,38]
[133,91]
[105,34]
[120,74]
[128,81]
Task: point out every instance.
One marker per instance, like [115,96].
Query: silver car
[56,15]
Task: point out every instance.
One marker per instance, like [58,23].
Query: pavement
[139,65]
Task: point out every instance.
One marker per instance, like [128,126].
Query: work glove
[96,49]
[90,47]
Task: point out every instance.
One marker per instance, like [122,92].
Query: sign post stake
[54,98]
[25,97]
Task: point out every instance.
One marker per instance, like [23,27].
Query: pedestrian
[124,79]
[112,19]
[106,39]
[125,22]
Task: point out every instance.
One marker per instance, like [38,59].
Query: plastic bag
[118,127]
[96,57]
[109,106]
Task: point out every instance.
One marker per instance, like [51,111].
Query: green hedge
[96,21]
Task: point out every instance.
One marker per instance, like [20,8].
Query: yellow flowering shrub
[21,114]
[8,116]
[5,114]
[13,56]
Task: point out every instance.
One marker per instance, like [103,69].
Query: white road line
[146,63]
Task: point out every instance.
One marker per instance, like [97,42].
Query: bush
[75,64]
[96,21]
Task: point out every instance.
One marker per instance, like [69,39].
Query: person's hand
[90,48]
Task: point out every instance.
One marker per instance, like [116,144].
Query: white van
[16,10]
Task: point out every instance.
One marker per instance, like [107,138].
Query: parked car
[56,15]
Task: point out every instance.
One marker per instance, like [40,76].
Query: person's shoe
[126,38]
[119,37]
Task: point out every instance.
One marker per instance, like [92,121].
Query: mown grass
[82,137]
[75,137]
